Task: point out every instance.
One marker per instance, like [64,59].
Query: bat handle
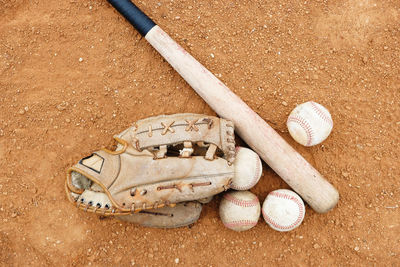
[142,23]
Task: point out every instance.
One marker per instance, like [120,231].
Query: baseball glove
[157,163]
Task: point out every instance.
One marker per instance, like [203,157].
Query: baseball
[239,210]
[310,123]
[248,169]
[283,210]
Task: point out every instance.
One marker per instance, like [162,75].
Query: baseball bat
[261,137]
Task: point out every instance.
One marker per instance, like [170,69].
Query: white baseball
[310,123]
[248,169]
[239,210]
[283,210]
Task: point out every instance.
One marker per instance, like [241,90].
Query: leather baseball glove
[158,162]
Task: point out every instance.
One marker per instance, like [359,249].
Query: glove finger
[183,214]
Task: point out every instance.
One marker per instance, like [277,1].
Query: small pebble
[80,59]
[284,103]
[316,246]
[356,248]
[177,260]
[61,107]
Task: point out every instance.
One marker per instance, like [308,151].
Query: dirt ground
[73,73]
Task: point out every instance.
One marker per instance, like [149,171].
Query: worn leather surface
[183,214]
[182,127]
[135,177]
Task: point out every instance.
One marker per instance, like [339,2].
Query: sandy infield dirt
[73,73]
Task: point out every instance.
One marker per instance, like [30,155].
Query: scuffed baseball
[309,123]
[248,169]
[283,210]
[239,210]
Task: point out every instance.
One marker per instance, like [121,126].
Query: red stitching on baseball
[304,124]
[252,182]
[321,113]
[299,218]
[242,203]
[240,223]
